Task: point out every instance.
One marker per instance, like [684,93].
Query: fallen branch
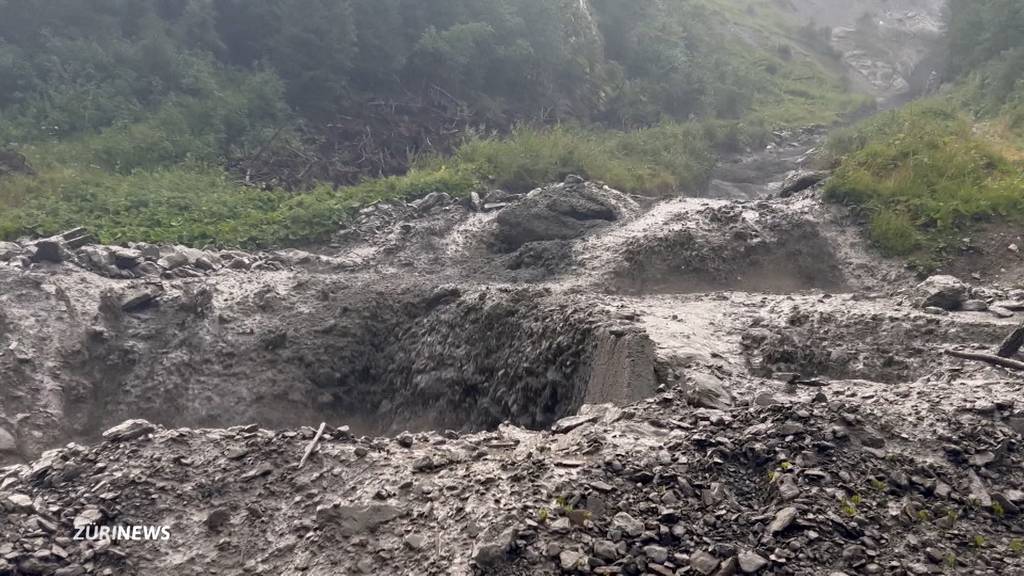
[1012,344]
[312,445]
[988,358]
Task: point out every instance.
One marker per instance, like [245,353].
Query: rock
[18,503]
[150,252]
[147,269]
[627,524]
[492,549]
[140,298]
[173,261]
[703,563]
[707,391]
[945,292]
[1005,503]
[570,559]
[48,250]
[783,519]
[77,237]
[855,555]
[431,201]
[415,541]
[572,422]
[555,213]
[751,562]
[800,181]
[8,443]
[91,516]
[974,306]
[126,258]
[475,202]
[606,550]
[978,492]
[788,488]
[129,430]
[657,554]
[405,440]
[561,526]
[72,570]
[1000,312]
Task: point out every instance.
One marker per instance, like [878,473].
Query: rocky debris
[140,298]
[559,212]
[432,201]
[944,292]
[717,246]
[801,180]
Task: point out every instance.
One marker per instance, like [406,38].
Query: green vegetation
[935,170]
[921,176]
[135,113]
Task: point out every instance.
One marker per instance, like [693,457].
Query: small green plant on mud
[950,560]
[878,485]
[998,509]
[978,541]
[1017,546]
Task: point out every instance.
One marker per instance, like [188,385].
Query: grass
[198,204]
[922,175]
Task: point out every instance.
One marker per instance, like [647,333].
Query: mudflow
[575,380]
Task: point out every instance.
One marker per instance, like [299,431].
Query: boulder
[945,292]
[48,250]
[800,181]
[173,260]
[561,212]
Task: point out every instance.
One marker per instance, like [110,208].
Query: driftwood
[312,445]
[1012,344]
[988,358]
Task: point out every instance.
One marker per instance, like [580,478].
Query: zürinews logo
[122,533]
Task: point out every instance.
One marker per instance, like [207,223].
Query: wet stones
[703,563]
[627,525]
[751,562]
[801,180]
[783,519]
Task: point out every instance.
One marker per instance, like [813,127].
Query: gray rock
[978,492]
[707,391]
[128,430]
[703,563]
[751,562]
[783,519]
[432,201]
[627,524]
[570,559]
[788,488]
[606,550]
[49,250]
[415,541]
[554,213]
[18,503]
[126,258]
[91,516]
[141,297]
[492,549]
[656,554]
[945,292]
[800,181]
[173,261]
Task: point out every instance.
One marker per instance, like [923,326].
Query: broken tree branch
[1012,344]
[988,358]
[312,445]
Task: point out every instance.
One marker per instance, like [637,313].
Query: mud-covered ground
[573,381]
[757,393]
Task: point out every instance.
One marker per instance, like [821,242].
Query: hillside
[131,112]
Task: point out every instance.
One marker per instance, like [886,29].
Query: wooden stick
[312,445]
[989,358]
[1012,344]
